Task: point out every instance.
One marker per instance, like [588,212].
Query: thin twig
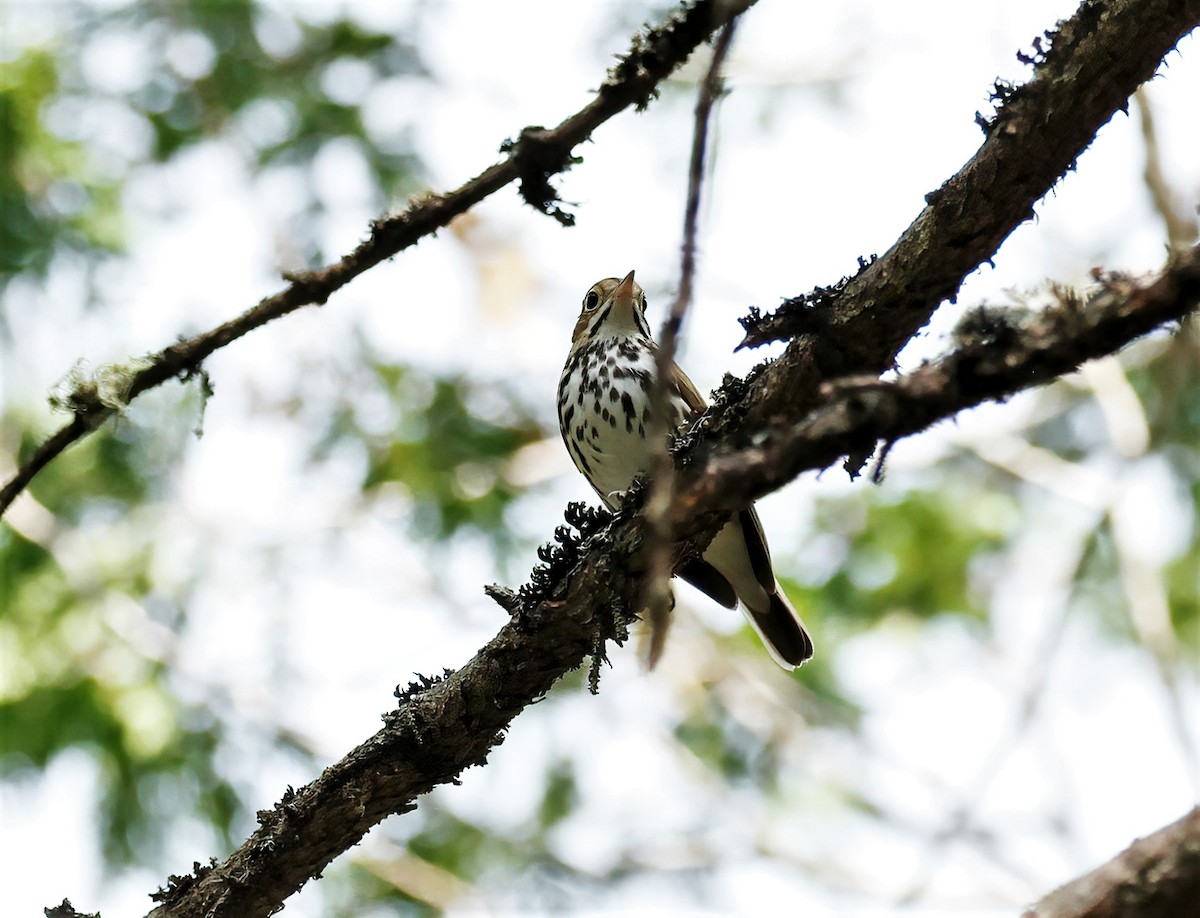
[531,160]
[1181,228]
[658,544]
[46,452]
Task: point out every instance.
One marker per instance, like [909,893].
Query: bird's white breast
[603,409]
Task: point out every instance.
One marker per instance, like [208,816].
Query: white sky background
[808,175]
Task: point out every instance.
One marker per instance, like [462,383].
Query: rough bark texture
[444,726]
[1155,877]
[1085,71]
[999,354]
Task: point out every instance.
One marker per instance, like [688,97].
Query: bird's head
[612,307]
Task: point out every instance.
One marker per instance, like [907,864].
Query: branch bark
[1000,354]
[532,159]
[591,589]
[1084,72]
[1155,877]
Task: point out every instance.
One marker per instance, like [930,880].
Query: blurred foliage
[725,744]
[282,88]
[1183,595]
[112,462]
[448,445]
[285,86]
[93,96]
[455,462]
[462,848]
[1167,387]
[52,192]
[911,555]
[69,678]
[561,795]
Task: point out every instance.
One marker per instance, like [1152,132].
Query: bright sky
[841,117]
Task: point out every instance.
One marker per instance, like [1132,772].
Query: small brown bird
[604,413]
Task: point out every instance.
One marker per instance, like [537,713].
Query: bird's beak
[623,295]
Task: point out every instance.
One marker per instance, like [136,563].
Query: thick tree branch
[537,155]
[1156,877]
[1084,72]
[591,586]
[1000,354]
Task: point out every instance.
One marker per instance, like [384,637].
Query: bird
[605,415]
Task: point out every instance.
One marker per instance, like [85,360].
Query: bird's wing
[756,548]
[687,390]
[709,581]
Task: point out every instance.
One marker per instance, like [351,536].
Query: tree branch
[1155,877]
[532,159]
[590,587]
[1002,352]
[1084,72]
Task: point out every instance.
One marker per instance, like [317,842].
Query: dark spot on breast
[580,460]
[630,411]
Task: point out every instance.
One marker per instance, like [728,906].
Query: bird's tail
[737,567]
[781,630]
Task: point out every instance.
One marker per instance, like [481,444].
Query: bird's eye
[592,300]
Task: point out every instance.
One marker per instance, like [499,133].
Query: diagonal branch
[1084,72]
[446,724]
[1156,877]
[537,155]
[998,359]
